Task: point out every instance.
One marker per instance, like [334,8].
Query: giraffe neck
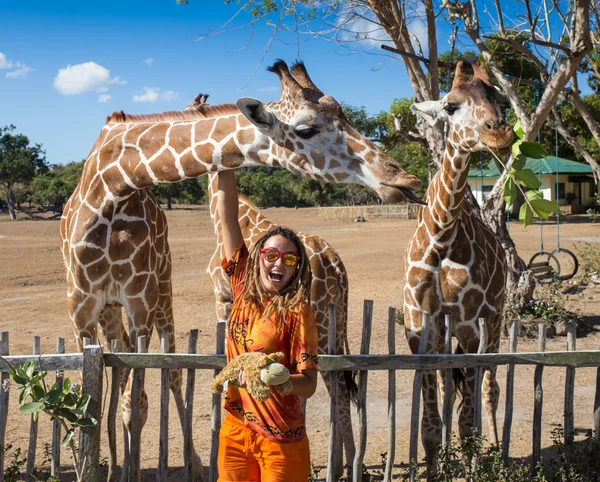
[446,193]
[134,152]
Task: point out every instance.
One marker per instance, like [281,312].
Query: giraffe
[114,234]
[329,286]
[454,264]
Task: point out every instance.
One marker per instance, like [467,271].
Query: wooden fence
[351,213]
[93,362]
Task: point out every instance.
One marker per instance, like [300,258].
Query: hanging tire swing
[544,266]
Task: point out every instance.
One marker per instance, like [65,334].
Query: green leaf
[510,191]
[68,436]
[70,400]
[531,195]
[519,132]
[516,148]
[533,150]
[66,384]
[31,407]
[38,392]
[18,379]
[526,215]
[66,414]
[528,179]
[87,422]
[29,368]
[543,208]
[83,402]
[519,162]
[54,395]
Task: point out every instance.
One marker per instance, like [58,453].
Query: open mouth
[275,277]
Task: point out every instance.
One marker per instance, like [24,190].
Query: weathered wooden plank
[510,389]
[416,401]
[33,425]
[483,339]
[447,406]
[333,463]
[163,445]
[135,429]
[538,400]
[4,377]
[50,362]
[569,392]
[89,451]
[56,426]
[188,445]
[391,415]
[216,411]
[111,418]
[361,398]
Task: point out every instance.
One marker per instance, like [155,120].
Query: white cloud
[153,94]
[87,77]
[20,70]
[104,98]
[149,61]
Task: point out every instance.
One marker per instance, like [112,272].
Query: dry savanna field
[32,302]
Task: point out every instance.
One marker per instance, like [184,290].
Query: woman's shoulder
[302,308]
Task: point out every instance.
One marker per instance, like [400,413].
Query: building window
[561,190]
[486,191]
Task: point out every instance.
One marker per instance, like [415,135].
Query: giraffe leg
[490,388]
[466,416]
[165,327]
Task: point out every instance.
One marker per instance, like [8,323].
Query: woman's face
[276,275]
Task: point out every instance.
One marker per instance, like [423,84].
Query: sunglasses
[272,255]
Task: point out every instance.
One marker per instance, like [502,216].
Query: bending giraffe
[329,286]
[114,234]
[454,264]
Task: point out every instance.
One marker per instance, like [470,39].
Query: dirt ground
[32,302]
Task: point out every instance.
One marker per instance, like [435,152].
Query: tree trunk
[11,203]
[169,203]
[519,281]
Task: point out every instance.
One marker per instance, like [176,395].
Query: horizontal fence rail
[74,361]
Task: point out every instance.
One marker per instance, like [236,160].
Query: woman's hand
[227,208]
[242,379]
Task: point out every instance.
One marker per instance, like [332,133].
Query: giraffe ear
[428,110]
[254,110]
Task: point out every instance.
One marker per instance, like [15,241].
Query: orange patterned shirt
[279,418]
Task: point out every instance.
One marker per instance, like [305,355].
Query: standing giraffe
[114,234]
[454,264]
[329,286]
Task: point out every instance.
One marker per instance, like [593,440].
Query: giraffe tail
[459,377]
[351,385]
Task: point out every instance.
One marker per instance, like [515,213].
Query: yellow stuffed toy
[261,370]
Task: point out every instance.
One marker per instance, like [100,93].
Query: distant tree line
[29,184]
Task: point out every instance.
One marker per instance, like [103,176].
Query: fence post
[391,454]
[510,388]
[135,428]
[163,445]
[216,410]
[569,389]
[538,401]
[483,338]
[332,455]
[188,445]
[56,426]
[111,419]
[361,398]
[33,426]
[89,451]
[447,407]
[416,401]
[4,376]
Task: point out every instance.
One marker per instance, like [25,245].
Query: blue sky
[65,66]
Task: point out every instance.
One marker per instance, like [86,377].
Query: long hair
[298,288]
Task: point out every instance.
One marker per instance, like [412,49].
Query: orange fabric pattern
[279,418]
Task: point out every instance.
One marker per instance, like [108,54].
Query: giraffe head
[473,110]
[311,136]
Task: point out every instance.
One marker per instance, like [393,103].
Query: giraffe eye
[306,132]
[450,108]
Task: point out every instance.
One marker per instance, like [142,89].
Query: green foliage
[19,161]
[518,178]
[63,402]
[190,191]
[14,464]
[54,188]
[589,262]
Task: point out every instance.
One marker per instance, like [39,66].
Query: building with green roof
[568,183]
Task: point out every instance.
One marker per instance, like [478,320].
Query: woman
[271,312]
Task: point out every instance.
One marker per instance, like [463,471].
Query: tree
[19,163]
[52,189]
[186,192]
[557,60]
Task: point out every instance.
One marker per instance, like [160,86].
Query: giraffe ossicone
[454,263]
[114,234]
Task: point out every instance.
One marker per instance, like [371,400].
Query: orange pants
[246,456]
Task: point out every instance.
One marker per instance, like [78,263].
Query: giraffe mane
[201,111]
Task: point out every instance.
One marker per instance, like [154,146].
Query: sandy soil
[32,302]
